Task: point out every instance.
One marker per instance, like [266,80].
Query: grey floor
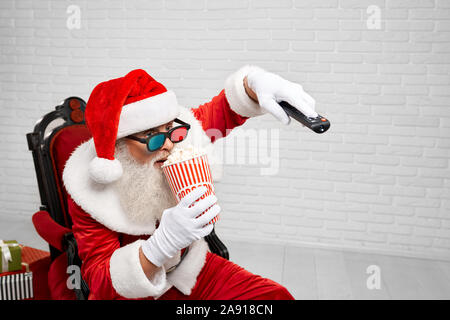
[310,273]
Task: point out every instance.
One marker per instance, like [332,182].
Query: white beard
[143,190]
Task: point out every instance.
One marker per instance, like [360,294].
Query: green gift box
[11,256]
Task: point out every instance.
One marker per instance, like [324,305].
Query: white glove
[271,88]
[179,227]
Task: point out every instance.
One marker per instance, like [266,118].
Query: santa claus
[135,241]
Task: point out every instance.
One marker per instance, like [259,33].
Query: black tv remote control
[318,124]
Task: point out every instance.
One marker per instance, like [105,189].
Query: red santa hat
[120,107]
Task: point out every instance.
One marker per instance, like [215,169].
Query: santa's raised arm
[130,232]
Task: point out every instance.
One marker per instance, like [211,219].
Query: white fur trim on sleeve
[238,99]
[128,278]
[184,277]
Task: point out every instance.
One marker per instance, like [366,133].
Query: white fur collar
[101,201]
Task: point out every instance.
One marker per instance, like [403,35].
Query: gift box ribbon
[6,254]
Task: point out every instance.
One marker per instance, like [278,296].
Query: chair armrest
[49,230]
[216,246]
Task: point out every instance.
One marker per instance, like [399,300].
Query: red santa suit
[108,241]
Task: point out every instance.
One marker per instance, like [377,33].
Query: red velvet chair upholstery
[50,153]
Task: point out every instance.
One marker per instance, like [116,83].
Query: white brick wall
[378,180]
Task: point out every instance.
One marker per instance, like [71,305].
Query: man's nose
[168,145]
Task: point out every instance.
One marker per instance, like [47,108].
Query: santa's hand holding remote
[268,89]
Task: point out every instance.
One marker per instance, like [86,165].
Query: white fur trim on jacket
[127,276]
[238,99]
[130,281]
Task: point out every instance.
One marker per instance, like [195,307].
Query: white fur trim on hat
[148,113]
[238,99]
[105,171]
[127,276]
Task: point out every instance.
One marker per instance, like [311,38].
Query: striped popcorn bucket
[186,175]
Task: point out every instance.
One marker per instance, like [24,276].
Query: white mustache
[164,155]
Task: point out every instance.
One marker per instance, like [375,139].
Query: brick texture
[378,180]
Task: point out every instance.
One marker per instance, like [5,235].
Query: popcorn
[182,154]
[187,169]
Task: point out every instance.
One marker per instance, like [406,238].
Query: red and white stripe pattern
[16,286]
[185,176]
